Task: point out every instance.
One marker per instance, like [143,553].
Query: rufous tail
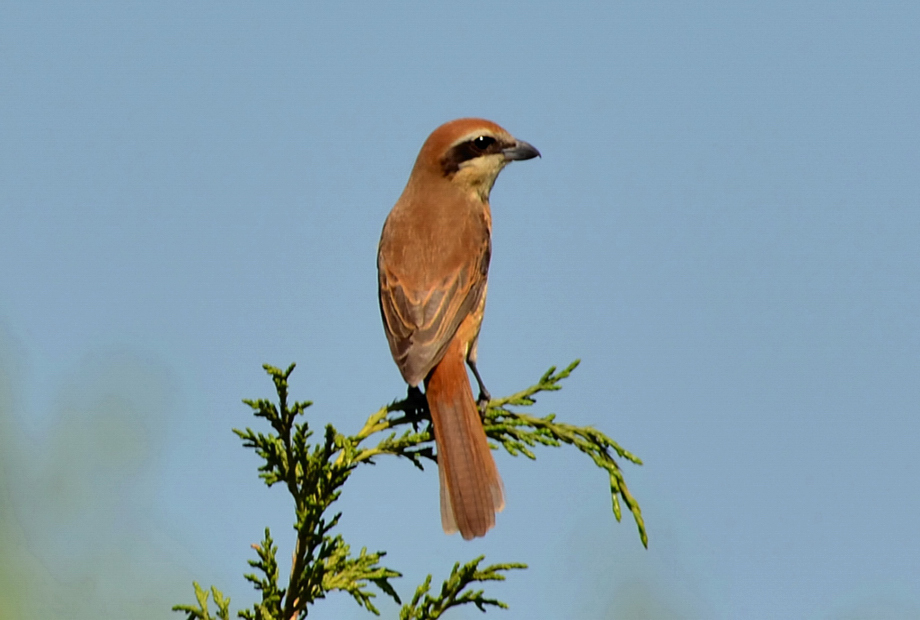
[471,489]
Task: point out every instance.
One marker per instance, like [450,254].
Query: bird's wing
[421,320]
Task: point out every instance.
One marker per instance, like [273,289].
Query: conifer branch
[518,432]
[201,612]
[314,474]
[455,592]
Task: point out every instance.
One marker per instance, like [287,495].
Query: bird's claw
[482,403]
[416,406]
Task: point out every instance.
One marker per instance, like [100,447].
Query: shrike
[432,264]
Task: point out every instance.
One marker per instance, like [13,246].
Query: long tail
[471,489]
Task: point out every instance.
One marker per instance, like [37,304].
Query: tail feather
[471,489]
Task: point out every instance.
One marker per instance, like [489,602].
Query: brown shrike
[432,264]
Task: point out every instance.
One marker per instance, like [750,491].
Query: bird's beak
[521,150]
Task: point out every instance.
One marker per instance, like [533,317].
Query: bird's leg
[484,396]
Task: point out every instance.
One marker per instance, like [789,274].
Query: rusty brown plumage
[433,264]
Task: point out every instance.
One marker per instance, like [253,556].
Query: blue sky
[724,227]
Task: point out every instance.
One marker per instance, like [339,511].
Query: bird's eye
[483,142]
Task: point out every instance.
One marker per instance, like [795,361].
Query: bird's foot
[482,403]
[416,406]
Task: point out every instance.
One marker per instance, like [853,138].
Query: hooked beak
[520,151]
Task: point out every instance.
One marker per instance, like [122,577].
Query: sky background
[724,227]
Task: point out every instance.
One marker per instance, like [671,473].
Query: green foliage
[314,474]
[201,612]
[518,432]
[454,591]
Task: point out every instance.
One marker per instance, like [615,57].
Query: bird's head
[469,153]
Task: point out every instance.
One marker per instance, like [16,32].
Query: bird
[432,267]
